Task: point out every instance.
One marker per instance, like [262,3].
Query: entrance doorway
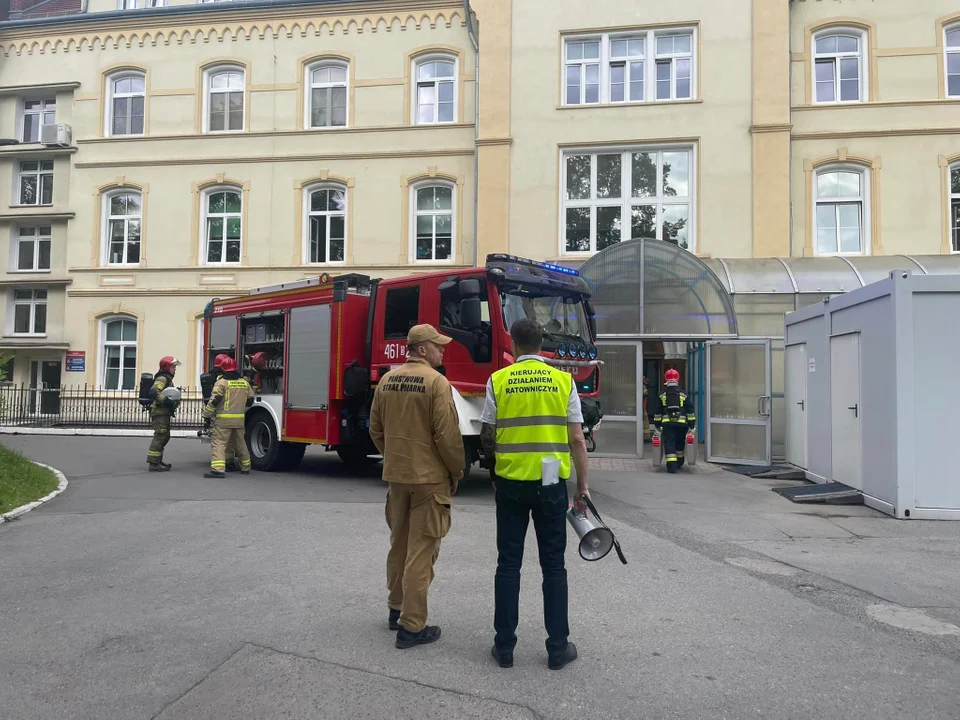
[621,398]
[796,389]
[739,402]
[45,386]
[845,409]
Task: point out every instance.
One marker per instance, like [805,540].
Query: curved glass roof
[651,287]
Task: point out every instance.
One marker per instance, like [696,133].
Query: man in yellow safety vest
[532,423]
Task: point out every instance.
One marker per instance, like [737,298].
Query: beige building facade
[211,148]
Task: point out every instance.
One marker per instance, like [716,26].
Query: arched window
[224,89]
[327,98]
[842,213]
[839,66]
[118,353]
[123,213]
[326,223]
[435,89]
[952,48]
[126,98]
[955,208]
[433,218]
[222,225]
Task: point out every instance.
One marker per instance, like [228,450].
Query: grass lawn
[21,481]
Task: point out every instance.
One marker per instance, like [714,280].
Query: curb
[17,512]
[90,432]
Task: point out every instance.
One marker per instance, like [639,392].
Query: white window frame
[112,96]
[138,4]
[308,214]
[205,214]
[40,174]
[949,50]
[105,227]
[415,213]
[36,238]
[861,55]
[415,89]
[626,201]
[863,200]
[309,88]
[649,60]
[208,91]
[34,302]
[47,110]
[122,344]
[954,209]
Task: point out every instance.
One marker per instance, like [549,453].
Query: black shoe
[504,658]
[672,469]
[407,639]
[244,472]
[159,467]
[214,474]
[556,661]
[394,619]
[231,468]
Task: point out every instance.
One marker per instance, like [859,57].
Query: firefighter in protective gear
[231,397]
[161,412]
[672,413]
[217,373]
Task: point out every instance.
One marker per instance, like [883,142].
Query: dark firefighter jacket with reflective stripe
[681,412]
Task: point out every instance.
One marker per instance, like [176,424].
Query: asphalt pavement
[145,595]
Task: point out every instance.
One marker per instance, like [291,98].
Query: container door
[739,402]
[845,409]
[307,374]
[796,398]
[621,399]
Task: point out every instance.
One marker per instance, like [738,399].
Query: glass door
[739,402]
[621,399]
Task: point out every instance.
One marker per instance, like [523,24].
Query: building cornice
[18,90]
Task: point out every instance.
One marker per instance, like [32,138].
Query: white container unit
[872,391]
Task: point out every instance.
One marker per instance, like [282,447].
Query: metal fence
[85,406]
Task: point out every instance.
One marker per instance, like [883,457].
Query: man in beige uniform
[414,424]
[231,397]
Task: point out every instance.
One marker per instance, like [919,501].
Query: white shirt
[489,414]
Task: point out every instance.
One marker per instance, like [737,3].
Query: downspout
[471,31]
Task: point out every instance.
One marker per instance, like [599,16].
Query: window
[35,114]
[135,4]
[127,95]
[436,90]
[119,354]
[29,312]
[433,222]
[839,221]
[955,208]
[402,312]
[224,99]
[222,225]
[35,182]
[123,212]
[838,67]
[328,95]
[613,196]
[634,67]
[326,224]
[33,248]
[952,60]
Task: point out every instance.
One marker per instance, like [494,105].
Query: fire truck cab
[315,349]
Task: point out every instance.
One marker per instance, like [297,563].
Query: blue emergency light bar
[500,257]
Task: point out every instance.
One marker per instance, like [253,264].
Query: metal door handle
[760,405]
[800,404]
[856,410]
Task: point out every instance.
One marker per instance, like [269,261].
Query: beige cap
[426,333]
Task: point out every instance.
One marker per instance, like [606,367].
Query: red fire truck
[317,348]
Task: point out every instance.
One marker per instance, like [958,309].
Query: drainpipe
[472,32]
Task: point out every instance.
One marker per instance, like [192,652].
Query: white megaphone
[596,541]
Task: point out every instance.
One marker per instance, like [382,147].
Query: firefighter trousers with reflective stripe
[419,518]
[674,438]
[161,436]
[224,441]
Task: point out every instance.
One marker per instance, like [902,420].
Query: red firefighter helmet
[218,360]
[259,360]
[229,365]
[671,376]
[168,364]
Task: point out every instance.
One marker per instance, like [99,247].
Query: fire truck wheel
[352,455]
[264,445]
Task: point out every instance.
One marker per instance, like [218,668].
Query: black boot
[214,474]
[505,659]
[556,661]
[159,467]
[394,619]
[407,639]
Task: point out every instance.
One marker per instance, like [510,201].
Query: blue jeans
[516,502]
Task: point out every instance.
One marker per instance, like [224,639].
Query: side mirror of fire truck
[470,306]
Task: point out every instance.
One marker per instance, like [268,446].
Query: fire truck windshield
[560,317]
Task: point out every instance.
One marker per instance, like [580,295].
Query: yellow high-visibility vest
[531,402]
